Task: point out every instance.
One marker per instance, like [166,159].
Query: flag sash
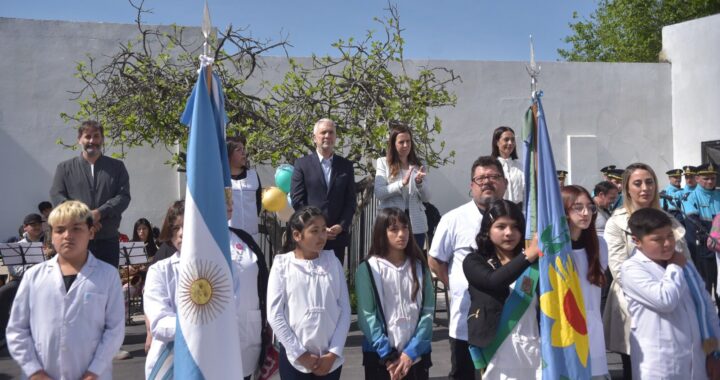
[515,307]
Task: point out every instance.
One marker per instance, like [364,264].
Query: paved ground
[135,337]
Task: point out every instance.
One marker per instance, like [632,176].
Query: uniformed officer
[561,174]
[701,206]
[615,176]
[675,178]
[605,171]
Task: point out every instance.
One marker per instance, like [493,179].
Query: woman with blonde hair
[640,190]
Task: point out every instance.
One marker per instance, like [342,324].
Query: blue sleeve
[420,342]
[369,320]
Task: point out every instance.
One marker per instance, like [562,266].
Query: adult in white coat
[400,180]
[68,318]
[504,148]
[246,188]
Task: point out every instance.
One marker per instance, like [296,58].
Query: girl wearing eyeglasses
[590,256]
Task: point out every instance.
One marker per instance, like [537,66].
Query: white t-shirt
[454,238]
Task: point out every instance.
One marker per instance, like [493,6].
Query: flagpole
[533,69]
[206,29]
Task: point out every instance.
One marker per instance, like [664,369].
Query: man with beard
[100,182]
[454,238]
[606,194]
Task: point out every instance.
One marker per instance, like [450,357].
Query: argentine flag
[207,342]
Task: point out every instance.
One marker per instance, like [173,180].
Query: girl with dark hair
[142,231]
[590,257]
[395,302]
[400,180]
[504,148]
[502,282]
[308,303]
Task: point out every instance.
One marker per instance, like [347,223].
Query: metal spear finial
[206,27]
[533,68]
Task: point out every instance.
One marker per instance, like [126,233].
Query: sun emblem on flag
[204,291]
[564,305]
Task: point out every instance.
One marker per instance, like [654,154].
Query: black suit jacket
[489,287]
[336,200]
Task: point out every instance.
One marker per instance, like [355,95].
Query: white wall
[626,107]
[693,49]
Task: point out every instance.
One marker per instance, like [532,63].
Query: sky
[488,30]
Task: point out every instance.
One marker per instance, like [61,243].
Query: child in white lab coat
[307,300]
[68,318]
[674,332]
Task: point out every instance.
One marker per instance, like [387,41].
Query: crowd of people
[646,262]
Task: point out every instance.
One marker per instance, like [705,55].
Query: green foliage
[629,30]
[140,93]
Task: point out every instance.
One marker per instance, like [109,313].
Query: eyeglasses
[578,208]
[482,178]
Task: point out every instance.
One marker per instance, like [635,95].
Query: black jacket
[489,286]
[338,203]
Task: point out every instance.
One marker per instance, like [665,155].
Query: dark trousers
[107,250]
[374,370]
[7,296]
[340,254]
[462,367]
[420,240]
[288,372]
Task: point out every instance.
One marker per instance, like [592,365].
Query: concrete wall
[598,114]
[693,49]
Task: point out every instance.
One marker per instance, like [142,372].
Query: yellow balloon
[273,199]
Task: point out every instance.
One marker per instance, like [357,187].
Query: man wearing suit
[327,181]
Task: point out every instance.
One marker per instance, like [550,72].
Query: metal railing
[272,230]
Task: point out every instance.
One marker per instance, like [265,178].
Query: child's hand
[402,368]
[712,365]
[89,376]
[678,259]
[325,362]
[533,251]
[308,361]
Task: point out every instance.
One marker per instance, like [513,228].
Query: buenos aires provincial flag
[206,338]
[563,326]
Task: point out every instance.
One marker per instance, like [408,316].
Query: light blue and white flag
[206,338]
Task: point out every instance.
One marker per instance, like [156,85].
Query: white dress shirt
[66,333]
[454,238]
[308,306]
[665,335]
[326,164]
[515,191]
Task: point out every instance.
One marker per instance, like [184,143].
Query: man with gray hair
[327,181]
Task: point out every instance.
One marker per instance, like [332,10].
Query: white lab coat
[159,302]
[308,306]
[67,333]
[249,316]
[244,213]
[665,336]
[454,239]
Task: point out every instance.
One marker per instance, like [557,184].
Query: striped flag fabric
[563,326]
[207,342]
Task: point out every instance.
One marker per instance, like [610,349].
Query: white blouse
[308,306]
[395,288]
[248,304]
[515,191]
